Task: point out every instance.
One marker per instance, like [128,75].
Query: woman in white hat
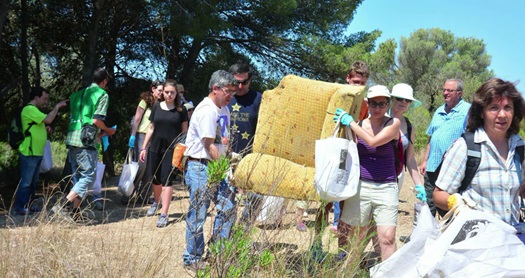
[402,99]
[377,197]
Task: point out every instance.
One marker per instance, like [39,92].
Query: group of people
[493,117]
[225,121]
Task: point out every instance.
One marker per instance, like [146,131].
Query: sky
[499,23]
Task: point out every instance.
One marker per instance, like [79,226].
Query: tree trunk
[91,47]
[24,50]
[4,10]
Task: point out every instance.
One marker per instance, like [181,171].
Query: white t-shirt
[208,121]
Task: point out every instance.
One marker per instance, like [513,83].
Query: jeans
[337,213]
[430,184]
[29,171]
[84,168]
[201,194]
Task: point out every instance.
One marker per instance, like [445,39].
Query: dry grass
[125,243]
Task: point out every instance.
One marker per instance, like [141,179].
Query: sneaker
[82,216]
[341,256]
[62,213]
[23,211]
[163,221]
[151,211]
[98,205]
[35,208]
[301,227]
[195,267]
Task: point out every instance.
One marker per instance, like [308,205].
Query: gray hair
[459,83]
[221,78]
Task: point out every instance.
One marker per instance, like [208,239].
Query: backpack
[474,159]
[16,135]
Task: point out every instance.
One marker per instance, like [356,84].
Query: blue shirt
[244,114]
[443,130]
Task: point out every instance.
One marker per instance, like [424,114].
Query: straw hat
[405,91]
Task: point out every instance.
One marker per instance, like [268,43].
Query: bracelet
[142,149]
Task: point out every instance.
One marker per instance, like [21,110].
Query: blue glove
[105,142]
[421,194]
[131,142]
[346,118]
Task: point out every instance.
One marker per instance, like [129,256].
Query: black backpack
[474,158]
[16,135]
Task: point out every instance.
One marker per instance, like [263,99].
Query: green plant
[217,170]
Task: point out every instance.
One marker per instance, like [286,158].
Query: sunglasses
[381,104]
[403,99]
[244,82]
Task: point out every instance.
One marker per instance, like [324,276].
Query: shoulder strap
[473,160]
[409,130]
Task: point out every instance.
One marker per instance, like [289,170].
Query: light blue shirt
[444,129]
[495,186]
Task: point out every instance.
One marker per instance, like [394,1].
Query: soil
[131,218]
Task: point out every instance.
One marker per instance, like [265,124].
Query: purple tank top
[377,163]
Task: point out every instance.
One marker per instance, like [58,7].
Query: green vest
[82,105]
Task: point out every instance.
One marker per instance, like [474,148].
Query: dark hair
[358,67]
[495,88]
[37,92]
[148,98]
[178,102]
[100,75]
[155,83]
[241,68]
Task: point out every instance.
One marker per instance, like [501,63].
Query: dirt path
[126,228]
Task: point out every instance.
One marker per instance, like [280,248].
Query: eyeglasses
[228,91]
[244,82]
[381,104]
[450,90]
[403,99]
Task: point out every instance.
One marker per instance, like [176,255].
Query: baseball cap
[378,91]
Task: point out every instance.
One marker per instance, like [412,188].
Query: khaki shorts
[377,200]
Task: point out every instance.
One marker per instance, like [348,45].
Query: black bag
[88,134]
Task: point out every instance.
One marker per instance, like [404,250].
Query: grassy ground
[123,242]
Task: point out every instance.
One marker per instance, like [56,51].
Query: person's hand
[423,167]
[346,118]
[61,104]
[131,142]
[111,131]
[142,155]
[421,194]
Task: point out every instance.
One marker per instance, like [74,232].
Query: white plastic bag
[97,186]
[271,210]
[336,167]
[47,159]
[129,171]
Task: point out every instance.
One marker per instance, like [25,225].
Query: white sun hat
[378,91]
[402,90]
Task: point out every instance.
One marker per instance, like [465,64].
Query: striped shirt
[443,130]
[495,186]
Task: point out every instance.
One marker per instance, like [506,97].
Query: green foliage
[234,257]
[217,170]
[430,56]
[420,119]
